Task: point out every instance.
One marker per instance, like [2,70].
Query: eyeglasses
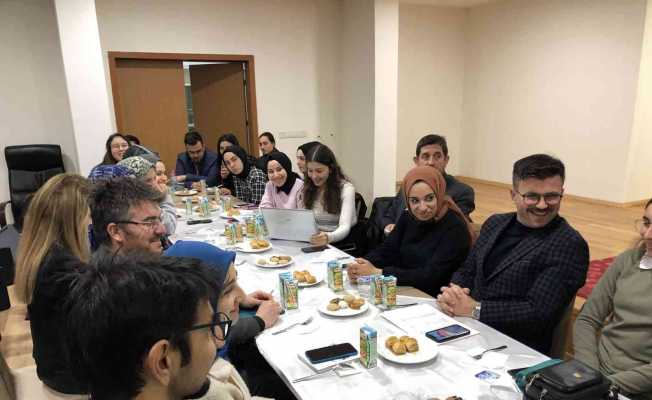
[219,319]
[643,224]
[151,224]
[531,198]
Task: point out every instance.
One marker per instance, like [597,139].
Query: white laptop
[290,224]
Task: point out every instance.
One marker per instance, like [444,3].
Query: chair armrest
[3,215]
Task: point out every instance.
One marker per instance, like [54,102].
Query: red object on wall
[596,269]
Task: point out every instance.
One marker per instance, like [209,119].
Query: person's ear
[161,363]
[115,233]
[416,160]
[512,194]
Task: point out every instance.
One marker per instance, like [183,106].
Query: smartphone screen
[329,353]
[448,333]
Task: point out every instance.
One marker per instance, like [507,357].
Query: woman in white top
[284,187]
[330,195]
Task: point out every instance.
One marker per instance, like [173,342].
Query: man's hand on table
[455,300]
[224,191]
[362,267]
[180,178]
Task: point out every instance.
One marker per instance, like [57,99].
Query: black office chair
[375,232]
[354,243]
[29,167]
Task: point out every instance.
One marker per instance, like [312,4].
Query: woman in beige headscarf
[430,241]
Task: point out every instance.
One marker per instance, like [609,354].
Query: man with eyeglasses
[525,268]
[432,151]
[145,327]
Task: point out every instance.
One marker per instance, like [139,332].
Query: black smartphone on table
[330,353]
[199,221]
[313,249]
[447,333]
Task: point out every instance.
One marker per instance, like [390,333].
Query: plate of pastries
[254,246]
[276,261]
[347,305]
[307,278]
[186,192]
[407,349]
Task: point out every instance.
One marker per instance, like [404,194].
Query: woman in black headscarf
[248,181]
[284,187]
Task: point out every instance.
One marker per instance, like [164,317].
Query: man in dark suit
[197,163]
[525,267]
[432,151]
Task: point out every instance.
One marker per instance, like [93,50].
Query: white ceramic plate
[270,265]
[236,217]
[191,192]
[245,247]
[428,350]
[346,312]
[318,275]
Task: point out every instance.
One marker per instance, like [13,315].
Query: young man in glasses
[525,267]
[144,327]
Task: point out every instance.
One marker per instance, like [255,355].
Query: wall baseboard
[637,203]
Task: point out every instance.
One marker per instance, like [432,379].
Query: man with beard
[525,267]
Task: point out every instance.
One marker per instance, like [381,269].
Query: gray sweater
[621,347]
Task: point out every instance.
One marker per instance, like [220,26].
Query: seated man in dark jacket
[432,151]
[525,267]
[197,163]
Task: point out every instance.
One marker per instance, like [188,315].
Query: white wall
[295,44]
[34,106]
[554,76]
[356,91]
[431,59]
[638,183]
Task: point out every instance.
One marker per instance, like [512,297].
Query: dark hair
[132,139]
[111,200]
[538,166]
[108,157]
[119,306]
[429,140]
[648,204]
[192,137]
[306,147]
[332,200]
[269,136]
[227,137]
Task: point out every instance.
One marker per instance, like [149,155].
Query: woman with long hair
[54,242]
[330,195]
[613,331]
[115,145]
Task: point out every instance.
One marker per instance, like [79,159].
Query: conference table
[452,372]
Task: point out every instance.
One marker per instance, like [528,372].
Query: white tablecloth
[452,372]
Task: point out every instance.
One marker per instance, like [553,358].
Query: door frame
[252,113]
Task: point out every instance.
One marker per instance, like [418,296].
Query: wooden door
[150,103]
[219,102]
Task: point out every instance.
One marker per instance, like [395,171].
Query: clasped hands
[268,308]
[361,267]
[456,301]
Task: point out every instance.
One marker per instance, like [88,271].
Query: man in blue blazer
[525,267]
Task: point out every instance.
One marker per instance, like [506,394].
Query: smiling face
[233,163]
[422,201]
[142,231]
[318,173]
[276,173]
[301,161]
[118,148]
[539,214]
[161,177]
[266,146]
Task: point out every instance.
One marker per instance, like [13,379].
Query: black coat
[526,294]
[423,255]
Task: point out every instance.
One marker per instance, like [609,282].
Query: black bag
[569,380]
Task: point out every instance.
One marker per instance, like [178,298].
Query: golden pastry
[332,307]
[390,341]
[335,300]
[285,259]
[398,348]
[356,304]
[412,345]
[311,279]
[404,338]
[349,298]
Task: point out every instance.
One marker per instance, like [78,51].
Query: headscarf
[285,162]
[137,165]
[242,155]
[108,171]
[306,147]
[433,178]
[218,259]
[142,151]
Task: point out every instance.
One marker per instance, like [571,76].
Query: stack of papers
[423,318]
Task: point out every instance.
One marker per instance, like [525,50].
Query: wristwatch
[475,314]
